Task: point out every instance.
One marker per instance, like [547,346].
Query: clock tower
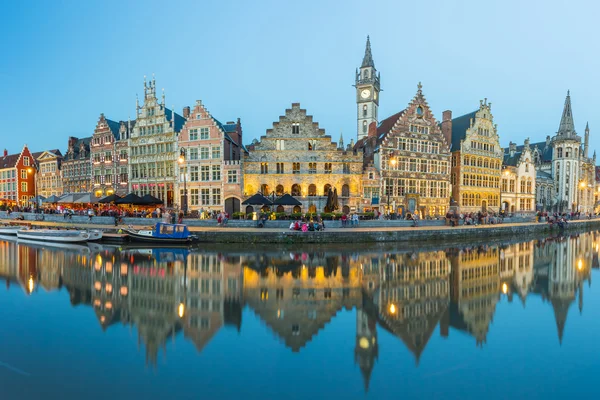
[367,93]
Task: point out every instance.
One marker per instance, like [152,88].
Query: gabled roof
[9,161]
[544,149]
[179,120]
[114,127]
[459,129]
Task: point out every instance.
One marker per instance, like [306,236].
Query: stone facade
[77,166]
[476,159]
[518,180]
[212,153]
[153,148]
[564,158]
[109,157]
[49,177]
[413,159]
[297,157]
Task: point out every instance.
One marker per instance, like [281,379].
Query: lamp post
[31,171]
[184,202]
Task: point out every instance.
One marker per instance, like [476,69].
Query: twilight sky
[65,62]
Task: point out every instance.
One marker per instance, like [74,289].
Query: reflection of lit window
[109,267]
[123,269]
[124,291]
[97,265]
[280,314]
[108,288]
[96,303]
[98,286]
[108,305]
[295,330]
[264,294]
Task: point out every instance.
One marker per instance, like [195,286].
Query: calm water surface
[509,320]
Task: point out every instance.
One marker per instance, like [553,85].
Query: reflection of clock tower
[367,93]
[366,350]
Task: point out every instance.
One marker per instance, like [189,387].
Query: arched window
[326,189]
[345,191]
[310,145]
[523,185]
[559,152]
[279,190]
[297,209]
[312,209]
[312,189]
[486,163]
[280,209]
[366,74]
[479,162]
[365,109]
[264,189]
[364,126]
[467,160]
[296,191]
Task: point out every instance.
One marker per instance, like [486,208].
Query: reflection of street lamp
[392,308]
[30,284]
[181,307]
[30,171]
[184,202]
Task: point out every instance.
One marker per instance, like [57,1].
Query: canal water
[487,321]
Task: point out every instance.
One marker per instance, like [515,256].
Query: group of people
[305,225]
[478,218]
[349,220]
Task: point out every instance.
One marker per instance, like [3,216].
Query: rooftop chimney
[447,127]
[186,112]
[5,153]
[547,140]
[512,148]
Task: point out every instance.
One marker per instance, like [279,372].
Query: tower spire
[341,143]
[567,127]
[368,58]
[586,140]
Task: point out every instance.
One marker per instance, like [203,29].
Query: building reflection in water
[296,294]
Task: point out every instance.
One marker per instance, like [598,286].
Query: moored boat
[162,233]
[10,229]
[54,235]
[95,234]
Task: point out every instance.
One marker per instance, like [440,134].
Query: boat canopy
[171,231]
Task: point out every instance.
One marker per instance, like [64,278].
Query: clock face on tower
[365,93]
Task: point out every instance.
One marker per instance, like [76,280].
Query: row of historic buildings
[407,162]
[404,293]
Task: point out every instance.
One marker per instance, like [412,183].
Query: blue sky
[65,62]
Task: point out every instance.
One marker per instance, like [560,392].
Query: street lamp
[31,171]
[184,202]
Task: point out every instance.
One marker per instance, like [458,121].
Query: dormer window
[420,111]
[26,161]
[295,128]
